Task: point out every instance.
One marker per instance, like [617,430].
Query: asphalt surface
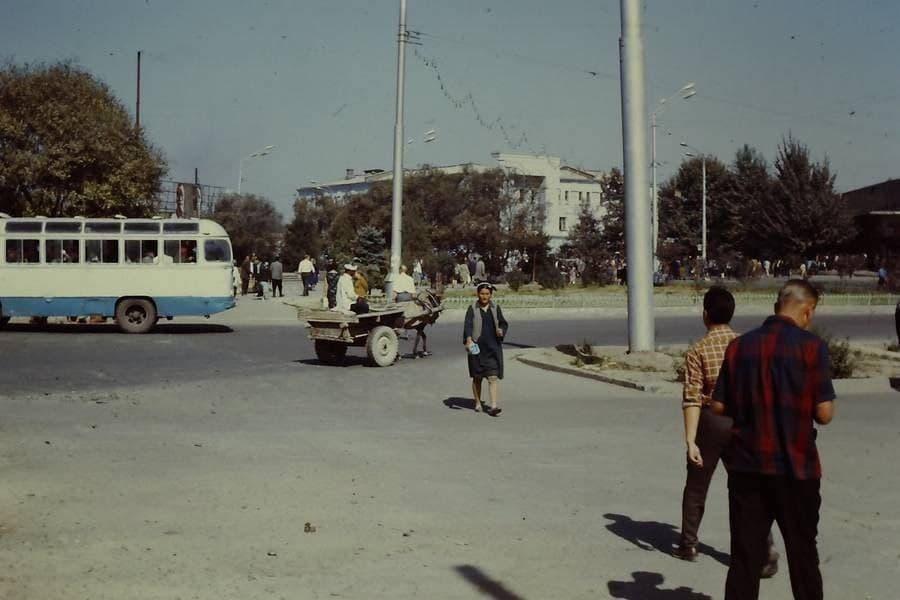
[76,356]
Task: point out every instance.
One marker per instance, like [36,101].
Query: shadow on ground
[348,361]
[484,584]
[459,403]
[646,587]
[654,535]
[98,328]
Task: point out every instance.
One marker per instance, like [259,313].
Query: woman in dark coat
[485,329]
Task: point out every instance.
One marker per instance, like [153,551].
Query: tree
[681,200]
[749,193]
[369,249]
[804,216]
[586,243]
[612,223]
[307,232]
[252,223]
[68,147]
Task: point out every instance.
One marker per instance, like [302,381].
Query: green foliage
[550,278]
[844,361]
[306,233]
[439,262]
[586,242]
[252,223]
[369,250]
[516,279]
[612,223]
[805,215]
[681,202]
[68,147]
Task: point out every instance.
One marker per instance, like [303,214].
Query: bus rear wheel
[3,322]
[135,315]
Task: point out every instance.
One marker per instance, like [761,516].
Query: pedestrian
[245,275]
[471,264]
[277,271]
[331,283]
[775,384]
[483,332]
[361,288]
[305,270]
[404,287]
[417,271]
[463,274]
[706,434]
[235,278]
[480,271]
[345,293]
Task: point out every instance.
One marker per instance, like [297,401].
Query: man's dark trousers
[754,501]
[713,434]
[276,288]
[304,277]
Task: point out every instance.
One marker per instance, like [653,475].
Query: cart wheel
[382,346]
[330,353]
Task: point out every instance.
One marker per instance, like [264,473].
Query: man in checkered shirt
[706,434]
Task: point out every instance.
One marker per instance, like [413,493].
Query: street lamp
[686,92]
[695,154]
[259,153]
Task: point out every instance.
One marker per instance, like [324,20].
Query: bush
[843,359]
[550,278]
[515,280]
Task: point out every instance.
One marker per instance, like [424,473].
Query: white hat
[350,267]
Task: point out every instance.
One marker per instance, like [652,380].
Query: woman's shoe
[495,411]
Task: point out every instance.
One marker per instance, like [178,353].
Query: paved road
[187,465]
[73,357]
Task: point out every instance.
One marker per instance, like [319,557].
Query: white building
[560,190]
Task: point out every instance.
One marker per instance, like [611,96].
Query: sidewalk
[663,382]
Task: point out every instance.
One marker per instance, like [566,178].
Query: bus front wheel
[3,322]
[135,315]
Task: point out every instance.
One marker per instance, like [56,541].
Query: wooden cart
[378,331]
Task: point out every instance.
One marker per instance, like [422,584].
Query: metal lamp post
[697,153]
[686,92]
[259,153]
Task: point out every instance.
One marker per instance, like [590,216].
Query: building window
[587,197]
[580,198]
[567,196]
[562,223]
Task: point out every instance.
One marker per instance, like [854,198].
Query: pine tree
[612,222]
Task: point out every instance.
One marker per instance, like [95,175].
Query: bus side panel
[57,307]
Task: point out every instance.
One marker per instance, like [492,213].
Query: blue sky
[316,78]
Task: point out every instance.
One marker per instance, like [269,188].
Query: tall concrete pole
[397,204]
[637,218]
[654,199]
[704,214]
[137,103]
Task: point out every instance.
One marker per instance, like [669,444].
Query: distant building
[560,190]
[876,211]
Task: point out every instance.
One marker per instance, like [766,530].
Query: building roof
[880,197]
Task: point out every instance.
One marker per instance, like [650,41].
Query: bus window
[216,251]
[62,251]
[141,227]
[141,251]
[180,251]
[62,227]
[24,227]
[102,227]
[102,251]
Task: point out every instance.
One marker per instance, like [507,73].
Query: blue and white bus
[134,270]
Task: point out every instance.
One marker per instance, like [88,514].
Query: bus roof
[204,226]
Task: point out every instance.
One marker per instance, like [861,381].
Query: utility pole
[637,218]
[137,108]
[397,204]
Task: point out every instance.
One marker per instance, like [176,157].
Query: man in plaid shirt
[775,383]
[706,434]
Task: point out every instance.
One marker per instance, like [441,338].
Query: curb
[588,375]
[842,387]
